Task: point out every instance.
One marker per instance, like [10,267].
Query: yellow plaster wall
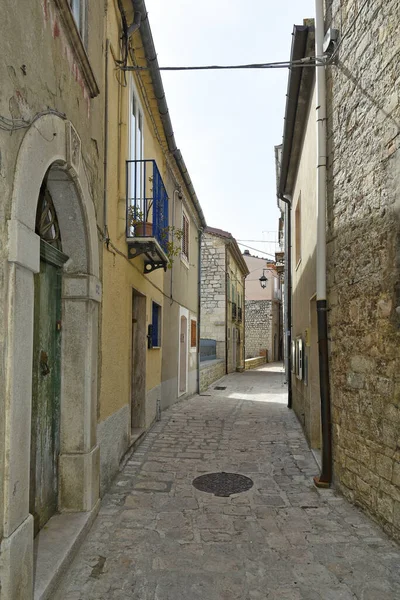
[120,275]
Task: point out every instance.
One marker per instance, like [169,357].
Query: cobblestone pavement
[158,538]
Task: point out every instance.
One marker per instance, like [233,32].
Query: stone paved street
[158,538]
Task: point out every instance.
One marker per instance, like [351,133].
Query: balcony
[146,214]
[239,313]
[280,262]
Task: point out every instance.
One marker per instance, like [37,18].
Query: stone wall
[364,256]
[258,326]
[213,295]
[211,371]
[253,363]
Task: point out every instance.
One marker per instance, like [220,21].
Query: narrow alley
[157,537]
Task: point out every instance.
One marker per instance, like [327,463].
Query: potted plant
[139,220]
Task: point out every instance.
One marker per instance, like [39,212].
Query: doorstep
[137,434]
[55,546]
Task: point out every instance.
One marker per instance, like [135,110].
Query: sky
[226,123]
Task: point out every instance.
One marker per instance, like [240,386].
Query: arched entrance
[46,372]
[50,150]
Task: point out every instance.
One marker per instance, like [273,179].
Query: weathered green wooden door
[45,434]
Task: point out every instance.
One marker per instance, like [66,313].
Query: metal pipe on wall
[325,477]
[288,332]
[200,232]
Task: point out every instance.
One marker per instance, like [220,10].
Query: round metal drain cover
[223,484]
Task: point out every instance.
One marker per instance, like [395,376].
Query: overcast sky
[226,123]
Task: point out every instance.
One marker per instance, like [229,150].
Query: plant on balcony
[140,220]
[173,236]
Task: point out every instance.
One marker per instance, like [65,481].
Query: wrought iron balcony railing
[146,213]
[234,311]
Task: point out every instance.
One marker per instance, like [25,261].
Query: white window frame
[79,12]
[299,357]
[136,145]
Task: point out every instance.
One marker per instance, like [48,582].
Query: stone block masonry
[363,255]
[253,363]
[213,302]
[211,371]
[259,330]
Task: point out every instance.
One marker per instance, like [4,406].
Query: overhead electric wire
[256,250]
[308,61]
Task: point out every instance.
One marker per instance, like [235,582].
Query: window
[228,286]
[193,333]
[297,225]
[78,9]
[299,358]
[185,236]
[156,322]
[136,152]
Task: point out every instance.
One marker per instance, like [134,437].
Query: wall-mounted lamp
[263,280]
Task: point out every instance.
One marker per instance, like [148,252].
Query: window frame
[79,12]
[156,327]
[297,232]
[136,148]
[193,321]
[185,243]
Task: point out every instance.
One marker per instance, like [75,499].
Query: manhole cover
[220,387]
[223,484]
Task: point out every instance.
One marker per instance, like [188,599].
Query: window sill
[155,348]
[77,46]
[185,260]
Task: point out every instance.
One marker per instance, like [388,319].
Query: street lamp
[263,280]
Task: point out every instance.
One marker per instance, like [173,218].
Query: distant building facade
[263,318]
[223,273]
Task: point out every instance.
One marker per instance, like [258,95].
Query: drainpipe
[325,478]
[105,227]
[226,311]
[288,332]
[200,232]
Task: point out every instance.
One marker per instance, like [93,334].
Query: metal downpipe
[288,332]
[325,478]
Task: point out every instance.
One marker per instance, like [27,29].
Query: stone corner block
[16,563]
[23,246]
[80,480]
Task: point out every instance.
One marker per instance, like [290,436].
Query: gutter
[151,57]
[298,51]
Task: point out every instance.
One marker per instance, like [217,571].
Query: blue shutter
[155,324]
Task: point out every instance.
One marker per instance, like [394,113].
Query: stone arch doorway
[50,149]
[46,371]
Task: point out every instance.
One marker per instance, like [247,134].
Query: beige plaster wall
[303,271]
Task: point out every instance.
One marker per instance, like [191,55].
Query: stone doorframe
[50,143]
